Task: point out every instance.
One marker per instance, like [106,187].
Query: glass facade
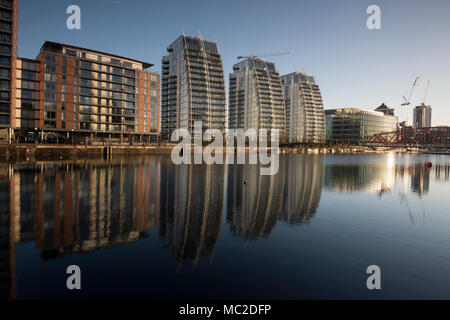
[192,86]
[422,116]
[305,117]
[255,96]
[354,125]
[8,54]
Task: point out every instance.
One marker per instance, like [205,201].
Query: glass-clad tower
[8,53]
[256,97]
[305,116]
[422,116]
[192,86]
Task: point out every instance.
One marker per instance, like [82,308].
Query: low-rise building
[71,94]
[353,125]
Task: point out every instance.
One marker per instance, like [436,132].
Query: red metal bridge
[428,137]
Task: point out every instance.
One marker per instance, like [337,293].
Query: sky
[329,39]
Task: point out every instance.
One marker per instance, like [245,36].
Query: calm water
[145,228]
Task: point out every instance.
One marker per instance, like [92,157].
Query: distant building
[355,125]
[192,86]
[305,117]
[385,109]
[256,98]
[422,116]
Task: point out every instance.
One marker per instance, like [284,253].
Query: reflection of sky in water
[308,232]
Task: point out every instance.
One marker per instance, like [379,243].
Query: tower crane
[408,101]
[262,55]
[426,93]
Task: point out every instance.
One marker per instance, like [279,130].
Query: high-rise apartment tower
[192,86]
[255,96]
[305,116]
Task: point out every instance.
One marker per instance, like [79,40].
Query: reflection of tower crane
[408,101]
[262,55]
[404,195]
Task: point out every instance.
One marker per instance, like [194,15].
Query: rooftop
[57,45]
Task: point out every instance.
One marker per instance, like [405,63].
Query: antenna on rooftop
[200,34]
[182,29]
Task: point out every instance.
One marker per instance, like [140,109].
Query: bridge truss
[413,137]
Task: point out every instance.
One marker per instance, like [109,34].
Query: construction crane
[408,101]
[426,93]
[262,55]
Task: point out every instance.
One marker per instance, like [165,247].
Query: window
[29,65]
[5,61]
[4,107]
[4,37]
[4,95]
[5,73]
[71,53]
[5,26]
[27,94]
[86,65]
[49,105]
[4,14]
[29,85]
[50,67]
[117,70]
[4,119]
[30,75]
[4,85]
[129,73]
[50,86]
[50,96]
[48,77]
[5,49]
[50,58]
[6,3]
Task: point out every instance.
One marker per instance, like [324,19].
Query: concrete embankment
[340,149]
[30,152]
[43,152]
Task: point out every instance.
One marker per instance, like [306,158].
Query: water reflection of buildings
[381,176]
[8,201]
[75,207]
[361,174]
[191,209]
[81,206]
[303,187]
[292,195]
[420,178]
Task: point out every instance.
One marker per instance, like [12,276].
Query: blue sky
[354,66]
